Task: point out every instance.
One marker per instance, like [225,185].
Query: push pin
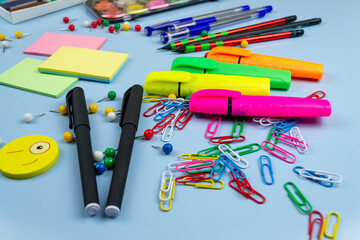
[62,109]
[0,141]
[2,38]
[117,28]
[5,44]
[148,134]
[19,35]
[99,22]
[98,156]
[109,162]
[111,29]
[28,117]
[244,44]
[109,152]
[126,26]
[111,116]
[99,168]
[68,137]
[87,24]
[67,20]
[167,148]
[111,96]
[93,108]
[94,25]
[71,28]
[172,96]
[106,23]
[138,28]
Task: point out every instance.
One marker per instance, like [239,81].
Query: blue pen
[163,26]
[197,29]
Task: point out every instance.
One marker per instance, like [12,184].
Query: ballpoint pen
[78,119]
[130,114]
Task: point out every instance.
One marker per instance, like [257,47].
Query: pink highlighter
[232,103]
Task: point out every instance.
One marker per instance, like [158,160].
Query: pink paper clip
[287,139]
[284,155]
[208,129]
[193,165]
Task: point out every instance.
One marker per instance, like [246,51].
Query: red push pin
[148,134]
[111,29]
[99,22]
[67,20]
[71,28]
[94,25]
[138,28]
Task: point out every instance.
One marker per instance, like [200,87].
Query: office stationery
[71,28]
[166,148]
[233,103]
[25,76]
[290,140]
[68,137]
[238,41]
[276,22]
[324,231]
[84,63]
[194,165]
[226,139]
[199,184]
[2,38]
[298,69]
[4,44]
[303,206]
[184,83]
[265,162]
[68,20]
[209,132]
[278,152]
[226,150]
[320,175]
[226,162]
[131,107]
[310,174]
[279,79]
[9,5]
[28,156]
[79,121]
[163,26]
[19,35]
[317,94]
[28,117]
[295,132]
[244,188]
[198,28]
[312,222]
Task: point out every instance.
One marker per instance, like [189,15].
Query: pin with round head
[93,108]
[68,137]
[19,35]
[62,109]
[117,27]
[111,116]
[110,152]
[68,20]
[99,168]
[106,23]
[167,148]
[148,134]
[4,44]
[99,22]
[94,25]
[126,26]
[204,33]
[138,28]
[109,162]
[70,28]
[111,96]
[98,156]
[111,29]
[87,24]
[172,96]
[28,117]
[3,38]
[244,44]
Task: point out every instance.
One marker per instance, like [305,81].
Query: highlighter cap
[165,82]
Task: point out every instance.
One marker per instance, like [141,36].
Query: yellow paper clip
[324,228]
[208,186]
[152,98]
[172,191]
[195,156]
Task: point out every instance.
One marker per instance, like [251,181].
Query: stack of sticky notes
[84,63]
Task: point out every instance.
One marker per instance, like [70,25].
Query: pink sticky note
[49,43]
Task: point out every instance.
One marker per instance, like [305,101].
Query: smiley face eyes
[39,147]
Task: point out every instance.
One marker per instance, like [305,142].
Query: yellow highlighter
[183,83]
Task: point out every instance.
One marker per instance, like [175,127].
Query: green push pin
[117,27]
[204,33]
[187,97]
[106,23]
[110,152]
[109,162]
[111,96]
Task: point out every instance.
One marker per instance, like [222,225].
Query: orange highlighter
[298,69]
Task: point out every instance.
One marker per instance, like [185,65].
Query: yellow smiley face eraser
[28,156]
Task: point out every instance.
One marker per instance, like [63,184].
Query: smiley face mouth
[29,162]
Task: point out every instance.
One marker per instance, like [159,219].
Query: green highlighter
[279,79]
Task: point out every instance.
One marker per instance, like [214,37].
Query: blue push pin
[99,168]
[167,148]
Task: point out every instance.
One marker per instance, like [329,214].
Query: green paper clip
[241,124]
[269,140]
[250,148]
[211,152]
[304,202]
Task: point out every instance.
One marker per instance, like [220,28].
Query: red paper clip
[195,177]
[226,139]
[186,116]
[163,123]
[317,95]
[152,107]
[243,184]
[312,223]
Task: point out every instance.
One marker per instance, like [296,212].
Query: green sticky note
[25,76]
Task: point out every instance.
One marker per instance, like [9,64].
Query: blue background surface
[50,206]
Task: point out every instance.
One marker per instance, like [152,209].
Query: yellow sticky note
[84,63]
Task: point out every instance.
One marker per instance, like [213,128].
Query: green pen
[279,79]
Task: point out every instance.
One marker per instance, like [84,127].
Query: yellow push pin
[28,117]
[5,44]
[2,38]
[172,96]
[62,109]
[93,108]
[126,26]
[244,43]
[19,35]
[68,137]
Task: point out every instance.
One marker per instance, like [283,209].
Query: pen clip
[124,105]
[69,107]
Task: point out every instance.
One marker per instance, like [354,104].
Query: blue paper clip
[233,167]
[268,165]
[285,125]
[160,115]
[215,170]
[325,184]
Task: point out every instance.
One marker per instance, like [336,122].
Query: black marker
[130,114]
[78,119]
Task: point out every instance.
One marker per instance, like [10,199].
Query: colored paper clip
[295,132]
[163,123]
[233,167]
[171,194]
[245,189]
[166,185]
[195,156]
[317,95]
[226,150]
[268,165]
[209,127]
[236,124]
[285,154]
[183,119]
[313,221]
[325,184]
[290,140]
[172,165]
[163,113]
[320,175]
[217,170]
[249,148]
[194,165]
[151,108]
[226,139]
[269,140]
[205,170]
[154,98]
[210,152]
[208,186]
[267,121]
[191,178]
[300,205]
[335,229]
[285,125]
[169,129]
[177,103]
